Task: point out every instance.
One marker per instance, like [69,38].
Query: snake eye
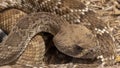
[78,48]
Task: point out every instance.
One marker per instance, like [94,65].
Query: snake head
[74,40]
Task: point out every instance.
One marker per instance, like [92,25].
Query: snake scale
[74,12]
[47,25]
[8,19]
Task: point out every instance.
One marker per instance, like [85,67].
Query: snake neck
[41,22]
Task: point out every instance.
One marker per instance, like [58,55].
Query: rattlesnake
[52,26]
[74,12]
[9,18]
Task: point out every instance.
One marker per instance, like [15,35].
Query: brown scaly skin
[33,52]
[74,12]
[32,24]
[8,19]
